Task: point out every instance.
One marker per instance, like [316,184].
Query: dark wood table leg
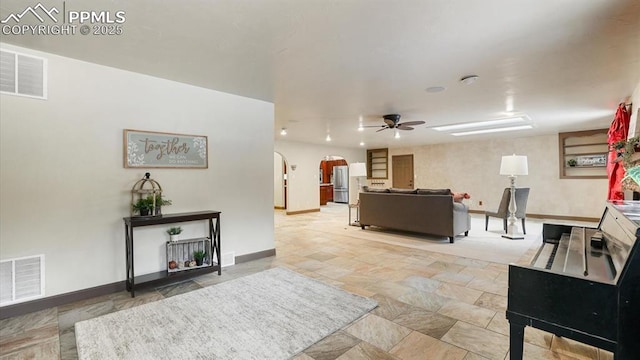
[516,341]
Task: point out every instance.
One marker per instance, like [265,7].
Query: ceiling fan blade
[374,126]
[411,123]
[383,128]
[403,127]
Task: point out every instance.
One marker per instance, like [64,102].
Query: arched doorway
[334,180]
[280,181]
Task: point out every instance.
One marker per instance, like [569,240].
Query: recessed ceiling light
[283,131]
[361,143]
[477,124]
[435,89]
[469,79]
[328,138]
[486,131]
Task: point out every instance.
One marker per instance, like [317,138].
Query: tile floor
[432,305]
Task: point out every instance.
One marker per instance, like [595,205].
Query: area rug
[274,314]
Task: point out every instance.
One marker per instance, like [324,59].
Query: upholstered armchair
[522,194]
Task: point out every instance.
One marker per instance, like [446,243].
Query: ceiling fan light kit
[392,121]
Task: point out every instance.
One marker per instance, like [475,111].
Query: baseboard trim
[302,211]
[58,300]
[280,208]
[67,298]
[255,256]
[546,216]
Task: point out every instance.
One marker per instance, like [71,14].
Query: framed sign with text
[150,149]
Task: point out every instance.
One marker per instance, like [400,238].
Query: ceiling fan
[391,122]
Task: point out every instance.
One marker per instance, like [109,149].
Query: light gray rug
[274,314]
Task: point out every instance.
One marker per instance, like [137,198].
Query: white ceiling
[564,63]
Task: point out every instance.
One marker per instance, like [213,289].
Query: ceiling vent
[21,279]
[23,75]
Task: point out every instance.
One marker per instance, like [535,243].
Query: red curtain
[618,130]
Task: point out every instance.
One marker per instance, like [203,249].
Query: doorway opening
[334,180]
[280,182]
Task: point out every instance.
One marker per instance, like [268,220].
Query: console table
[133,222]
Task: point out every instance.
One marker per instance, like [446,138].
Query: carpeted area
[273,314]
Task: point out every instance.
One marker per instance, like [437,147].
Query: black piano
[583,284]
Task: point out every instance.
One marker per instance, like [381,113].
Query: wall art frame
[152,149]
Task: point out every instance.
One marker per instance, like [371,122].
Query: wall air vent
[21,279]
[23,75]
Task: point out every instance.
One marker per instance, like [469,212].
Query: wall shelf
[589,148]
[378,163]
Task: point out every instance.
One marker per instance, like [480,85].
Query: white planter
[174,237]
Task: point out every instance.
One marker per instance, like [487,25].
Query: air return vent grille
[23,75]
[21,279]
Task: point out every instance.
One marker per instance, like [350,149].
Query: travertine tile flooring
[432,305]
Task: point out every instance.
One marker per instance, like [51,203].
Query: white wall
[64,189]
[303,182]
[474,167]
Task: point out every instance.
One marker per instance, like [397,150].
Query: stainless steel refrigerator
[341,184]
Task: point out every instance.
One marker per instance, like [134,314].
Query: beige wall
[474,167]
[64,189]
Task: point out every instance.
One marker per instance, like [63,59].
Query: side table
[357,220]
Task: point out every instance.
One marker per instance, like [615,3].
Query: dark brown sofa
[419,211]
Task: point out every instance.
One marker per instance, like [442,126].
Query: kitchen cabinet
[326,193]
[326,169]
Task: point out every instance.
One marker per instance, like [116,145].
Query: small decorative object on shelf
[146,197]
[174,232]
[572,162]
[199,255]
[173,264]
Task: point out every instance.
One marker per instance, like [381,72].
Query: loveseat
[425,211]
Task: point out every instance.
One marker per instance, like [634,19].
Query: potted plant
[618,147]
[199,256]
[143,206]
[174,232]
[572,162]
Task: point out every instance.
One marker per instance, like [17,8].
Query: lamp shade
[514,165]
[357,169]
